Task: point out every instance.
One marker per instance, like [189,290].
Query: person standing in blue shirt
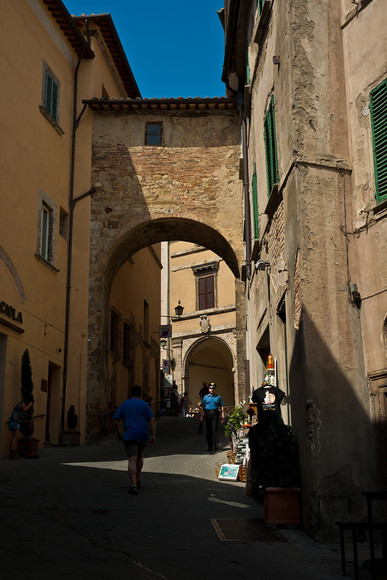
[137,415]
[212,408]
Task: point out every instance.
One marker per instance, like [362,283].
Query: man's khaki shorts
[134,448]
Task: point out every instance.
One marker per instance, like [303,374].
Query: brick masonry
[188,189]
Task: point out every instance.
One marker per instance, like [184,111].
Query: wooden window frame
[201,272]
[154,139]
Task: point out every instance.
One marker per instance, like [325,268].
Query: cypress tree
[26,374]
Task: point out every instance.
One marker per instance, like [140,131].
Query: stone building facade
[204,346]
[45,205]
[314,122]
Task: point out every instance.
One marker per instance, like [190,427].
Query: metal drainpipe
[246,196]
[72,202]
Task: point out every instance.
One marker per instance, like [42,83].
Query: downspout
[247,225]
[72,203]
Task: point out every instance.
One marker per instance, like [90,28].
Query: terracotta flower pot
[282,505]
[28,447]
[71,438]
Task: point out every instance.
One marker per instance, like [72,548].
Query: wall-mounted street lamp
[179,310]
[261,265]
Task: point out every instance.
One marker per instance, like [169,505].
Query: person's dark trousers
[212,420]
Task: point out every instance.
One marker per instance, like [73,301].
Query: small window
[154,134]
[63,219]
[46,231]
[47,217]
[115,320]
[51,94]
[205,280]
[206,292]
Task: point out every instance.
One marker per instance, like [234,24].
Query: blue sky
[175,48]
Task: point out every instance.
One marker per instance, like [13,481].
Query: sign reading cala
[11,312]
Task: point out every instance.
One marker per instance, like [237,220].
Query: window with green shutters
[271,147]
[255,203]
[378,105]
[260,6]
[51,95]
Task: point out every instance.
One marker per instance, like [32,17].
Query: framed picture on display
[229,472]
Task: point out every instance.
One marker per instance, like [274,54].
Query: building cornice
[166,104]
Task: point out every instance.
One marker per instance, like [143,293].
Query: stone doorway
[211,360]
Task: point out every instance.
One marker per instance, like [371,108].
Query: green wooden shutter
[255,203]
[260,6]
[378,107]
[271,147]
[51,96]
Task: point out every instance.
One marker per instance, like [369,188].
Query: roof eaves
[164,104]
[74,36]
[109,32]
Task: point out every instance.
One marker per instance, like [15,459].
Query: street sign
[165,331]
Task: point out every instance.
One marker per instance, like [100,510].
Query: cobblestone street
[68,514]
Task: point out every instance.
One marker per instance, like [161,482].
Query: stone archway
[187,189]
[97,396]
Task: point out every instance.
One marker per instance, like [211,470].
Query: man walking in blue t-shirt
[136,415]
[212,407]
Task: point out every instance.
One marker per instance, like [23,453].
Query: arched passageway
[103,385]
[210,360]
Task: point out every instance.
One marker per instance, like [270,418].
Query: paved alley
[68,515]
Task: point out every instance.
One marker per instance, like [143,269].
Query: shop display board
[229,471]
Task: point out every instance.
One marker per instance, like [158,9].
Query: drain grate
[245,530]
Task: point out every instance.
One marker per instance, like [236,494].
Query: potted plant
[235,421]
[27,445]
[72,435]
[274,456]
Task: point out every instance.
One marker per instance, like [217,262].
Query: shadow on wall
[332,423]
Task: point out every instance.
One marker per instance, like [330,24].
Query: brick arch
[140,236]
[168,229]
[187,189]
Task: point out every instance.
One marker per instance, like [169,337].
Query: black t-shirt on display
[268,401]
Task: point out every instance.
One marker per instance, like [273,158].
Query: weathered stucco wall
[308,238]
